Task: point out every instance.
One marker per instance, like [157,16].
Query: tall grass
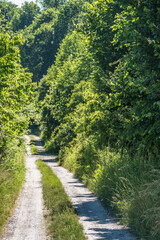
[12,173]
[146,208]
[128,183]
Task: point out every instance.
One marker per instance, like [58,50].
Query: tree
[44,35]
[51,3]
[98,27]
[7,10]
[124,38]
[15,85]
[24,16]
[136,29]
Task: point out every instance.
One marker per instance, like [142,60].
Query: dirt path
[27,223]
[96,221]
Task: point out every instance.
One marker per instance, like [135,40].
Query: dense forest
[87,73]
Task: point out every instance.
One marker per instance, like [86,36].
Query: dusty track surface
[96,221]
[27,223]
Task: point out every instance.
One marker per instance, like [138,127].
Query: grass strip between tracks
[62,220]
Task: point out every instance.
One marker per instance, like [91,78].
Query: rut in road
[27,223]
[96,221]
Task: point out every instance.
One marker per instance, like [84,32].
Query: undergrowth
[61,217]
[12,173]
[127,183]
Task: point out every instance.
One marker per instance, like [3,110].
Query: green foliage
[51,3]
[99,106]
[15,88]
[63,77]
[44,35]
[99,103]
[62,219]
[7,11]
[24,16]
[38,49]
[126,184]
[141,70]
[12,173]
[81,157]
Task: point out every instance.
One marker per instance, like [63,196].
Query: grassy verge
[128,184]
[34,149]
[12,173]
[62,219]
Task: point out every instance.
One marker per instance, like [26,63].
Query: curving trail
[28,223]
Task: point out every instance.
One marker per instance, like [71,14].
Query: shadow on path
[97,222]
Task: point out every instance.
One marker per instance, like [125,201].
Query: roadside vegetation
[15,93]
[61,218]
[12,173]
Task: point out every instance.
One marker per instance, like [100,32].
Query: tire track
[27,222]
[97,223]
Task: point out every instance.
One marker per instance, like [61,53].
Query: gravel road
[28,223]
[96,221]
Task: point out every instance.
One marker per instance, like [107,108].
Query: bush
[81,157]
